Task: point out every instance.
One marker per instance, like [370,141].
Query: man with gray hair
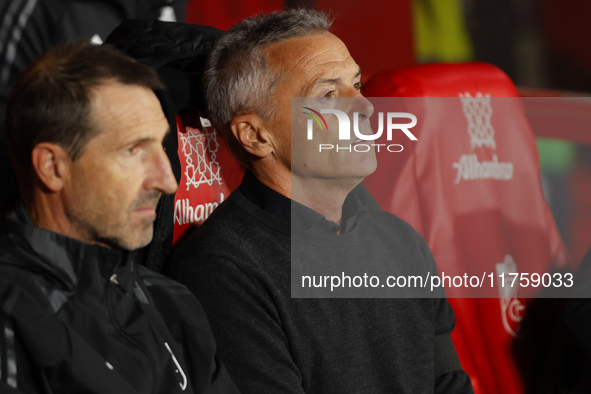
[297,206]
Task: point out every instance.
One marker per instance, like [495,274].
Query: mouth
[149,210]
[147,204]
[363,130]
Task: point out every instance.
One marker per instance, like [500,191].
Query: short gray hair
[238,77]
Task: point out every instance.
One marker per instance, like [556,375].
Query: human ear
[50,164]
[249,131]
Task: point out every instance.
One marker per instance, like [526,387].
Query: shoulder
[21,283]
[392,226]
[383,218]
[390,229]
[235,231]
[234,249]
[172,300]
[222,231]
[154,281]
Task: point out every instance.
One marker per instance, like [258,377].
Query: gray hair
[238,77]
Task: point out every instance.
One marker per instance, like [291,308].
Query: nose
[366,108]
[160,175]
[360,104]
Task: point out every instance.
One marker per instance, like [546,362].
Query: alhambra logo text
[362,141]
[200,148]
[469,167]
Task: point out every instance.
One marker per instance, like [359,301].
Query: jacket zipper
[113,281]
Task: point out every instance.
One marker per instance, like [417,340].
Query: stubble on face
[90,217]
[111,196]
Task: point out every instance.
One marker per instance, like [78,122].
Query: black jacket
[82,318]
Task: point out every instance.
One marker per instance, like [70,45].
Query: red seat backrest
[209,173]
[471,186]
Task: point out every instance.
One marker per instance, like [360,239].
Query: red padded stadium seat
[473,218]
[208,172]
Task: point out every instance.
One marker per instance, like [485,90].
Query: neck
[325,196]
[46,211]
[280,181]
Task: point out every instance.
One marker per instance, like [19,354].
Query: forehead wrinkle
[319,80]
[303,60]
[332,61]
[327,61]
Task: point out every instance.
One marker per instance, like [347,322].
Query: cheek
[333,133]
[114,187]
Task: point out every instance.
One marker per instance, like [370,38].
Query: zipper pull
[113,280]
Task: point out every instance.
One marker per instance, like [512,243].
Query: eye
[358,86]
[133,150]
[329,94]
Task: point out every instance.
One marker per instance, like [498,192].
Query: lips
[148,201]
[149,211]
[364,129]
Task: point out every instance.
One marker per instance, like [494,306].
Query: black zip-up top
[84,318]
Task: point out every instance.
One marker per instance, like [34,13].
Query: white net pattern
[200,148]
[478,111]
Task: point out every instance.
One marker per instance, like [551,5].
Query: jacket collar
[72,263]
[300,216]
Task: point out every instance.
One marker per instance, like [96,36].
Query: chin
[140,239]
[132,245]
[140,243]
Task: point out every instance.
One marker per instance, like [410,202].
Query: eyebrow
[336,80]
